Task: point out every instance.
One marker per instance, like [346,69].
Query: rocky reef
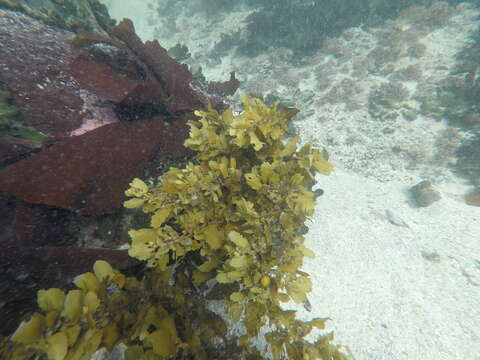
[82,114]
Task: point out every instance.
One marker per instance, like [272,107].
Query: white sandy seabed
[398,281]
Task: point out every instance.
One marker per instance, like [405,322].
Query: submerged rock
[89,15]
[424,194]
[473,198]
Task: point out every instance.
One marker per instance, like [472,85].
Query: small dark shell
[317,193]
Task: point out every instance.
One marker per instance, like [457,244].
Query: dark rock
[424,194]
[173,77]
[26,266]
[95,71]
[473,198]
[72,15]
[34,70]
[113,111]
[90,172]
[224,88]
[85,85]
[12,149]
